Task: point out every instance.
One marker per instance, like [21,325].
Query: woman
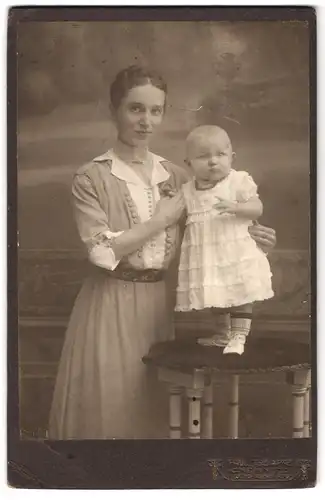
[103,390]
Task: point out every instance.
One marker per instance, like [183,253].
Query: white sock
[240,328]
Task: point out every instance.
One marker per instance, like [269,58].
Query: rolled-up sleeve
[92,223]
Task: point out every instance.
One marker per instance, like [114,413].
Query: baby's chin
[217,176]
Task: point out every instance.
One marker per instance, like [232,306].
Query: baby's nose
[213,160]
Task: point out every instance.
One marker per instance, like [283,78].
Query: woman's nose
[145,119]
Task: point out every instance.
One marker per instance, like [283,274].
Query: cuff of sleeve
[104,256]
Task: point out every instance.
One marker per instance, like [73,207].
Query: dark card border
[148,464]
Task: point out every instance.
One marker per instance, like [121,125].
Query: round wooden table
[191,368]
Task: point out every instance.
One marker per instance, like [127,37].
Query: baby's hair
[203,131]
[134,76]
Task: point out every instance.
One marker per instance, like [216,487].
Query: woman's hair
[134,76]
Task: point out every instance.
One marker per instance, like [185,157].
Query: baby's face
[210,157]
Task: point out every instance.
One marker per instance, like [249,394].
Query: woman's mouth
[143,133]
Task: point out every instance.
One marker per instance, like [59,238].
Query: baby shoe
[236,345]
[211,342]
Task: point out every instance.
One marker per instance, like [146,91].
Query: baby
[221,267]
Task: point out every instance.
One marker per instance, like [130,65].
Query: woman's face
[139,114]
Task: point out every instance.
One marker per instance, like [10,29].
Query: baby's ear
[187,162]
[233,156]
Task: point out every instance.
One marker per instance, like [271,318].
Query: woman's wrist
[157,222]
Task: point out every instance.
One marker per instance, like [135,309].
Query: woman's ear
[112,112]
[187,162]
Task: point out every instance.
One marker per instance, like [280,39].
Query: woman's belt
[137,275]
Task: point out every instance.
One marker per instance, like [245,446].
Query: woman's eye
[156,111]
[135,108]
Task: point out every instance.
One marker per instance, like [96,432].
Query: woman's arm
[251,209]
[105,247]
[168,212]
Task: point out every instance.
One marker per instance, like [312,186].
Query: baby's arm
[251,209]
[247,204]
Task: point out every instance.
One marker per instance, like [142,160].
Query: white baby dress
[220,264]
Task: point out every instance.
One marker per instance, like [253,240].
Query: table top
[261,355]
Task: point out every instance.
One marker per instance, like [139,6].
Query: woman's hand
[265,237]
[169,210]
[166,190]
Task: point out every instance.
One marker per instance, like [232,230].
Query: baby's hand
[226,207]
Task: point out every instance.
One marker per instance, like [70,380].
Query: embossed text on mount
[259,469]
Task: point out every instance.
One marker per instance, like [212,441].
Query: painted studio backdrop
[252,78]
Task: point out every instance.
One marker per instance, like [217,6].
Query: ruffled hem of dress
[221,254]
[217,239]
[186,285]
[230,303]
[211,266]
[202,216]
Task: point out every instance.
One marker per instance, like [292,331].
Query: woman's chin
[139,142]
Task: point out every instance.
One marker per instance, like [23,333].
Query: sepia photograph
[164,231]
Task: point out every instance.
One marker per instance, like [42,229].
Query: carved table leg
[298,381]
[234,407]
[194,412]
[307,407]
[175,412]
[207,424]
[194,385]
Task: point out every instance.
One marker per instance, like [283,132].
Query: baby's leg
[222,329]
[240,325]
